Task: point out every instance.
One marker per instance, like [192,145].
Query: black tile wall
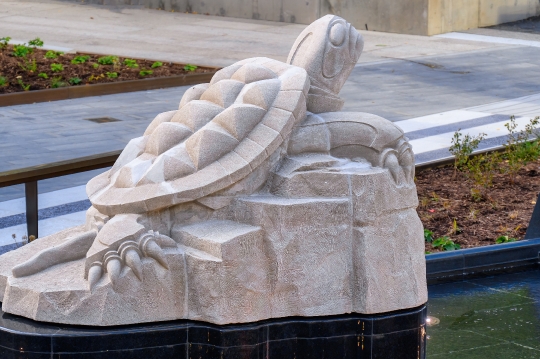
[397,335]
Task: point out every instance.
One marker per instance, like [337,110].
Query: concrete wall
[418,17]
[456,15]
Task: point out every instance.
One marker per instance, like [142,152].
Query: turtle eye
[337,34]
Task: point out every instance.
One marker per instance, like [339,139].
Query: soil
[11,68]
[502,210]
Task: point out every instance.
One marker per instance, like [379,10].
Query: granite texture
[254,200]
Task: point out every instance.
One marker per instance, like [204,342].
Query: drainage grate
[102,119]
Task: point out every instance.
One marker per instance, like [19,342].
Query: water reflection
[497,317]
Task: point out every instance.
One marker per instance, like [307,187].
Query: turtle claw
[130,254]
[151,249]
[94,274]
[392,164]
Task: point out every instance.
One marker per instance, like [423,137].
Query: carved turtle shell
[221,132]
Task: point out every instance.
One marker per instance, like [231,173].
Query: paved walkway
[431,86]
[199,39]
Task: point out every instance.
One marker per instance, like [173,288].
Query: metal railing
[30,176]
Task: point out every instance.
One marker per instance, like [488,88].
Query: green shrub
[52,54]
[108,60]
[80,59]
[131,63]
[57,67]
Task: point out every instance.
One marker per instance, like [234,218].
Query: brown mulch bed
[504,209]
[11,69]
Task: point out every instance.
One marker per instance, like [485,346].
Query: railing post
[31,193]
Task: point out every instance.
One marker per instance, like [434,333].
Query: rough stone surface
[253,200]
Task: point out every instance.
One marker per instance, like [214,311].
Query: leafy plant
[462,147]
[74,80]
[112,75]
[482,168]
[95,66]
[24,86]
[189,67]
[445,243]
[131,63]
[80,59]
[3,81]
[21,50]
[108,60]
[43,75]
[504,239]
[37,42]
[157,64]
[4,42]
[28,65]
[57,82]
[518,149]
[57,67]
[428,235]
[145,72]
[52,54]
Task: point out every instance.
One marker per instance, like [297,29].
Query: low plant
[189,67]
[455,228]
[57,67]
[21,50]
[482,169]
[57,82]
[519,150]
[95,65]
[428,235]
[112,75]
[3,81]
[81,59]
[130,63]
[43,75]
[93,78]
[462,147]
[24,86]
[28,65]
[4,42]
[107,60]
[52,54]
[504,239]
[74,80]
[37,42]
[145,72]
[157,64]
[445,243]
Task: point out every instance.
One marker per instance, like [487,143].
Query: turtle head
[327,49]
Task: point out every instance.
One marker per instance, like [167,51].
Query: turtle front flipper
[356,136]
[123,242]
[73,248]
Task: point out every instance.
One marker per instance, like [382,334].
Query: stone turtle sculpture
[222,208]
